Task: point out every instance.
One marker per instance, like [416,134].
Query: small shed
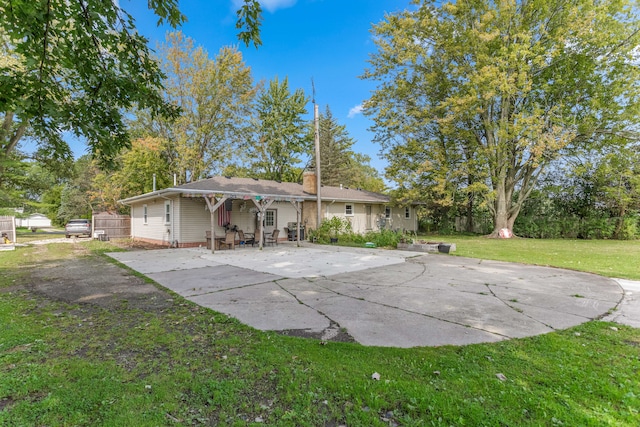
[34,221]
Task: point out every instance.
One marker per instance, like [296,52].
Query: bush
[339,228]
[629,229]
[334,227]
[383,238]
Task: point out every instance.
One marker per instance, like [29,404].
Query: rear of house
[181,217]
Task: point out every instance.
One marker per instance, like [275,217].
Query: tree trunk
[469,225]
[504,214]
[619,223]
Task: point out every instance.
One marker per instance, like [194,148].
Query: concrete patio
[380,297]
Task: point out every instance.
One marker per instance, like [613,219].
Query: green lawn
[611,258]
[65,364]
[25,235]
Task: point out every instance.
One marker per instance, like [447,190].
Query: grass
[610,258]
[24,235]
[65,364]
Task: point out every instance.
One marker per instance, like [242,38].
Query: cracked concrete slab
[204,280]
[265,306]
[384,298]
[628,312]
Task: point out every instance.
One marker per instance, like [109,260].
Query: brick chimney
[309,182]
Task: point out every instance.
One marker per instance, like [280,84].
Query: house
[181,216]
[34,221]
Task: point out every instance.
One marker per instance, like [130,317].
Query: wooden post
[316,120]
[262,206]
[296,204]
[213,209]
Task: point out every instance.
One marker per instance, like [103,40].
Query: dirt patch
[6,403]
[95,280]
[341,336]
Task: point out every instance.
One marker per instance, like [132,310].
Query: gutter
[151,195]
[238,194]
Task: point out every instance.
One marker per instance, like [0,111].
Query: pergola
[214,199]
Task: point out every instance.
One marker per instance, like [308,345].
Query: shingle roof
[262,187]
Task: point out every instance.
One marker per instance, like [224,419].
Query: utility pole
[316,121]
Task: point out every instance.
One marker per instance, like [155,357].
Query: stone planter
[429,247]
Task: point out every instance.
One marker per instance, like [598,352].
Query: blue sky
[327,40]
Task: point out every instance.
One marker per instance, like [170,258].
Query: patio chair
[229,240]
[273,238]
[246,238]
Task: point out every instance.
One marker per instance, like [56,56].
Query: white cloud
[355,111]
[268,5]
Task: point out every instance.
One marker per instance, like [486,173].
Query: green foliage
[334,227]
[340,229]
[364,176]
[13,170]
[339,163]
[630,227]
[52,199]
[249,17]
[76,66]
[215,96]
[384,238]
[610,258]
[335,150]
[75,198]
[481,97]
[80,364]
[598,197]
[281,139]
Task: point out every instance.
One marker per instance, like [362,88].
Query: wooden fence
[8,225]
[112,225]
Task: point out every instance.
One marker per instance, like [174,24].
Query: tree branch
[45,43]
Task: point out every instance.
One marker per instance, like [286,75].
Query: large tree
[215,97]
[77,66]
[365,176]
[75,200]
[340,164]
[140,169]
[499,90]
[336,154]
[281,138]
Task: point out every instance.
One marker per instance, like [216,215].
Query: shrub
[334,227]
[341,229]
[383,238]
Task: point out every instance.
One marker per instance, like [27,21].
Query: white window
[270,218]
[167,212]
[348,210]
[145,214]
[407,213]
[387,212]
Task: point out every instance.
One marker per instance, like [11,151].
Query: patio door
[270,221]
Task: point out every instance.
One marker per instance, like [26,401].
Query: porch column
[213,211]
[296,204]
[262,205]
